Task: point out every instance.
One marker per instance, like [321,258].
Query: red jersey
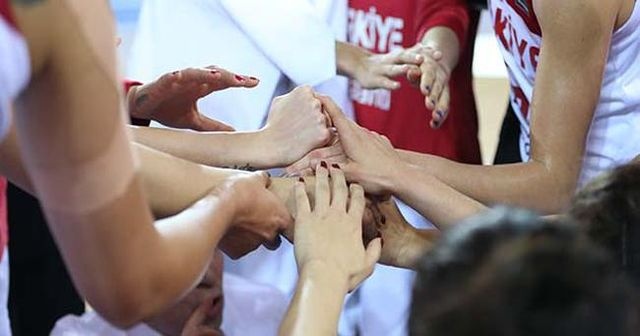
[383,26]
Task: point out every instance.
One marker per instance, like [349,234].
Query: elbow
[123,306]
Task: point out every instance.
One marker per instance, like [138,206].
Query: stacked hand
[432,77]
[329,233]
[171,99]
[258,215]
[296,125]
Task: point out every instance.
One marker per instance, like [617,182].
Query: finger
[442,109]
[273,244]
[394,70]
[428,77]
[228,79]
[357,201]
[340,121]
[263,177]
[339,193]
[372,254]
[414,75]
[302,200]
[382,82]
[438,86]
[199,315]
[206,124]
[323,194]
[408,57]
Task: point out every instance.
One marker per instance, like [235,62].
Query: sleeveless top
[614,136]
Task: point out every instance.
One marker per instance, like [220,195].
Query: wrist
[323,274]
[272,151]
[350,60]
[398,178]
[132,94]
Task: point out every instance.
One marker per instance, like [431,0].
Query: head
[608,209]
[508,272]
[173,320]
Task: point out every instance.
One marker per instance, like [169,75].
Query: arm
[577,36]
[295,126]
[69,129]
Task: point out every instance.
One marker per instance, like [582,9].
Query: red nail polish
[214,72]
[323,164]
[336,166]
[239,78]
[253,78]
[381,242]
[175,73]
[300,179]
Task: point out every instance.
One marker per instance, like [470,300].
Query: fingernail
[300,179]
[427,87]
[381,242]
[335,165]
[436,124]
[433,102]
[440,114]
[253,78]
[214,72]
[323,164]
[175,73]
[383,219]
[268,174]
[239,78]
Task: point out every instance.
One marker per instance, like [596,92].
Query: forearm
[547,188]
[246,150]
[446,41]
[437,201]
[317,302]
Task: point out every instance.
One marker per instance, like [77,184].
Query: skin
[329,252]
[138,268]
[577,36]
[171,99]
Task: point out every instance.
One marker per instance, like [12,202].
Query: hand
[259,216]
[304,167]
[196,325]
[296,125]
[403,244]
[432,78]
[199,310]
[372,161]
[331,232]
[377,71]
[171,99]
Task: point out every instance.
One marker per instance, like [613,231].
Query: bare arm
[69,127]
[577,35]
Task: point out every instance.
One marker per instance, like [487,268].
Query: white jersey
[614,136]
[14,65]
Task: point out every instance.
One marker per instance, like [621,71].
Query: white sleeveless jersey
[614,136]
[14,65]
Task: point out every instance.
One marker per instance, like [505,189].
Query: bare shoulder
[577,13]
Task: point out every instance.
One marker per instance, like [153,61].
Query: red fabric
[128,84]
[4,232]
[7,14]
[406,119]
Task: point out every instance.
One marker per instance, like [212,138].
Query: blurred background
[490,82]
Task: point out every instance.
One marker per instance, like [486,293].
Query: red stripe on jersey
[7,14]
[524,8]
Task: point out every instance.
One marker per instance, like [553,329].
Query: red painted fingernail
[381,241]
[335,165]
[239,78]
[253,78]
[300,179]
[214,72]
[323,164]
[175,73]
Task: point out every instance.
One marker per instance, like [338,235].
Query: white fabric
[243,36]
[614,136]
[5,324]
[249,310]
[14,71]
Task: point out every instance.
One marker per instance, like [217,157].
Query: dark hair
[511,273]
[608,209]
